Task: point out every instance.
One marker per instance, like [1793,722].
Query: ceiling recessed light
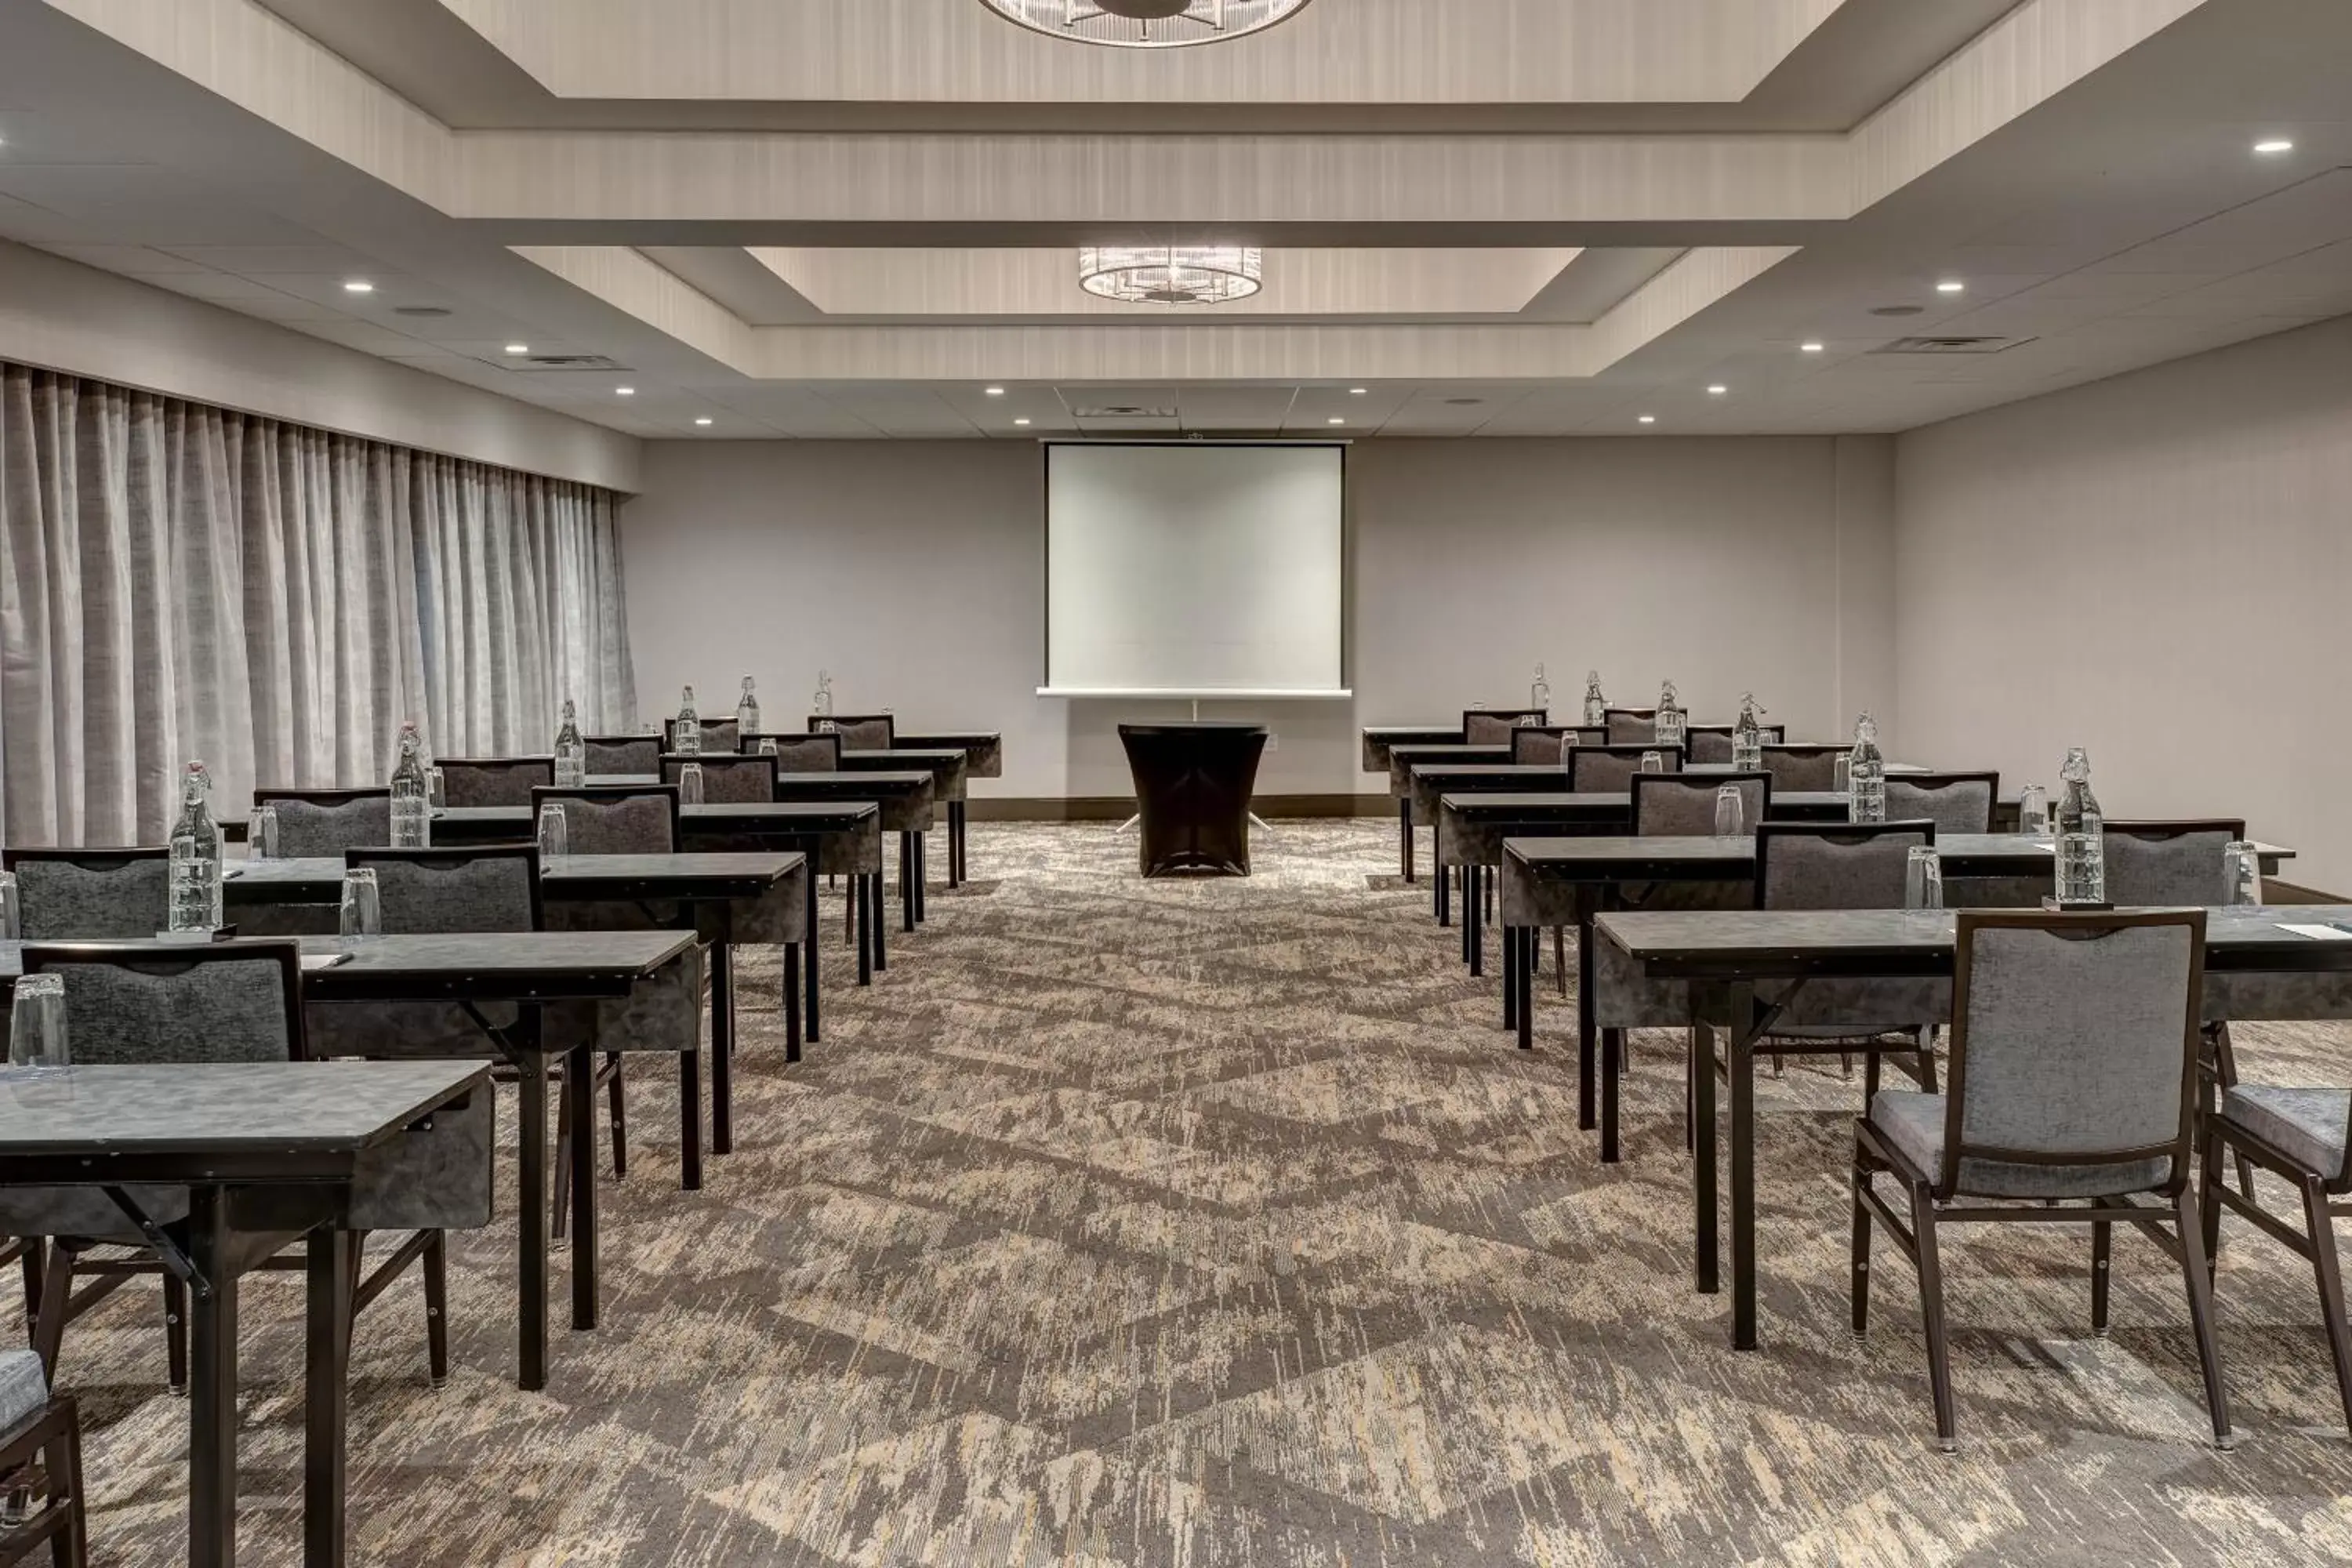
[358,286]
[1950,286]
[1358,390]
[1716,391]
[705,420]
[1648,419]
[518,348]
[2275,146]
[1812,348]
[624,392]
[1021,422]
[1337,420]
[995,392]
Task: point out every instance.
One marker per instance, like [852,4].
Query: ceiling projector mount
[1146,24]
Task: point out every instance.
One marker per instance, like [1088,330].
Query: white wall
[2156,567]
[60,315]
[914,573]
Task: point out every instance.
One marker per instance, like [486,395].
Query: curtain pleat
[179,581]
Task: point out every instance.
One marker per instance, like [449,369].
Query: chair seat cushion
[2304,1124]
[24,1391]
[1913,1124]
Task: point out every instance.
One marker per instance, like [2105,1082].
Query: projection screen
[1195,569]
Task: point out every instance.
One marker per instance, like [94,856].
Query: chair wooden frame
[1932,1194]
[42,1454]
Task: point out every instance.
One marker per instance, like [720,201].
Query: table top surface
[814,811]
[1739,854]
[222,1108]
[1789,942]
[686,867]
[1566,803]
[964,740]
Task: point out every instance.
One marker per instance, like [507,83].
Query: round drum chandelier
[1146,24]
[1172,274]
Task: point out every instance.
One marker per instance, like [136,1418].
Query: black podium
[1193,787]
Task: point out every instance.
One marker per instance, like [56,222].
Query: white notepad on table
[2319,933]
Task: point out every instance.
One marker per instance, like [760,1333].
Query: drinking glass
[2033,810]
[1841,772]
[554,832]
[767,746]
[1567,750]
[261,833]
[1653,762]
[12,923]
[36,1030]
[1923,878]
[1730,812]
[433,796]
[2241,868]
[689,785]
[363,911]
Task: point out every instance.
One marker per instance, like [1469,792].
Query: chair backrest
[1631,726]
[2074,1043]
[727,776]
[722,735]
[1608,770]
[1483,727]
[1712,742]
[1835,865]
[861,732]
[617,819]
[1682,806]
[210,1002]
[1539,745]
[471,888]
[328,821]
[624,754]
[493,780]
[2169,863]
[807,754]
[91,895]
[1803,767]
[1955,802]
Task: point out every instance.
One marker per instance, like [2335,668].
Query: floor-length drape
[180,581]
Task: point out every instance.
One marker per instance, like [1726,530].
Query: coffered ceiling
[852,217]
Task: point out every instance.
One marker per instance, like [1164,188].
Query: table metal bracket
[167,1251]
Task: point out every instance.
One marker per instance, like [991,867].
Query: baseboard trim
[1118,808]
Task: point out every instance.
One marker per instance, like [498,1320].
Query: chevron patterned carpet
[1215,1224]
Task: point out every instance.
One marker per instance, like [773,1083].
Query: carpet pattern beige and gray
[1217,1225]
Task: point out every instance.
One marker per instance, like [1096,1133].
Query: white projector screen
[1194,570]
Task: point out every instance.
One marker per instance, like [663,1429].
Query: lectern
[1193,787]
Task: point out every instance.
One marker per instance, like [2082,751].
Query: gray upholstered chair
[230,1001]
[860,732]
[810,753]
[1851,865]
[617,819]
[1955,802]
[1711,743]
[2305,1136]
[91,895]
[328,821]
[1632,726]
[1803,767]
[1481,728]
[1682,806]
[494,781]
[729,776]
[1610,769]
[634,756]
[722,735]
[1539,745]
[2074,1075]
[2167,863]
[40,1441]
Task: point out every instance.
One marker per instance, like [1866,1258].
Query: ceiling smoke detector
[1146,24]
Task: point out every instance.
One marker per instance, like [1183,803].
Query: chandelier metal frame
[1146,24]
[1172,274]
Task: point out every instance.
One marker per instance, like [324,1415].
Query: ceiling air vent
[1949,345]
[1122,411]
[565,362]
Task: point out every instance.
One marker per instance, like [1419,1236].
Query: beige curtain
[180,581]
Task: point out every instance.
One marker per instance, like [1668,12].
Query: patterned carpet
[1215,1224]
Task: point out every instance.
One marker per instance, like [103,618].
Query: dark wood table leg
[1588,1069]
[955,852]
[864,909]
[580,1088]
[531,1222]
[1531,936]
[722,1046]
[792,1000]
[809,848]
[922,882]
[689,1120]
[1703,1170]
[325,1393]
[880,904]
[212,1382]
[963,841]
[1477,903]
[907,883]
[1511,977]
[1442,894]
[1742,1065]
[1612,1052]
[1404,835]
